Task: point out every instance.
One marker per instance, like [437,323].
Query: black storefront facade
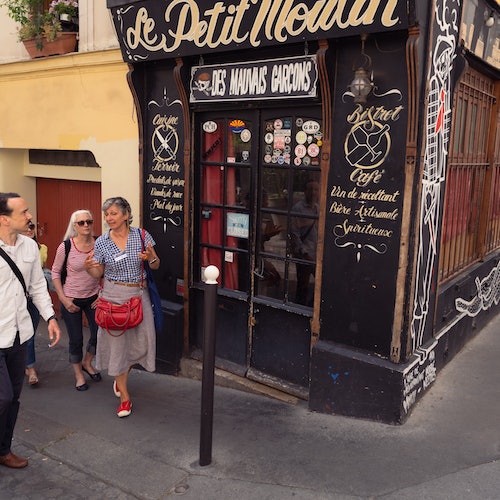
[301,148]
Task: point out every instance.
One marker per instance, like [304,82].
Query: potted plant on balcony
[39,30]
[65,10]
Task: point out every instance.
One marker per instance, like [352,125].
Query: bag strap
[142,234]
[64,268]
[149,271]
[16,270]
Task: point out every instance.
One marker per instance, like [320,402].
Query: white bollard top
[211,275]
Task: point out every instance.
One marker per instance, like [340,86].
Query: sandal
[32,376]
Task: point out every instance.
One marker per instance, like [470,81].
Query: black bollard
[207,381]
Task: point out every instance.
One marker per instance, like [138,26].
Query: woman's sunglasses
[83,222]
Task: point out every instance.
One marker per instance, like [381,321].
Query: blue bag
[154,294]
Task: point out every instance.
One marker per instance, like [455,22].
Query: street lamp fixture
[362,83]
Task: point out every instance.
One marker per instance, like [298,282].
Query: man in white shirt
[16,327]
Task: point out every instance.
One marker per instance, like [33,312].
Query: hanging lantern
[362,83]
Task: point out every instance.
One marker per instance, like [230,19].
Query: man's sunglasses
[83,222]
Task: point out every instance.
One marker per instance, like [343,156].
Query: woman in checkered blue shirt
[119,257]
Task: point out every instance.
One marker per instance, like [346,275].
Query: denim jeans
[12,363]
[73,322]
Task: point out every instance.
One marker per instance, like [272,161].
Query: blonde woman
[77,292]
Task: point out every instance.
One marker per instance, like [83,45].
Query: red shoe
[116,390]
[125,409]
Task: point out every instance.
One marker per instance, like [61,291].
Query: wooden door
[257,184]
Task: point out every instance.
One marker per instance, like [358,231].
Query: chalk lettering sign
[157,30]
[165,178]
[270,79]
[366,211]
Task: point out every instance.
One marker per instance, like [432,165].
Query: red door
[56,200]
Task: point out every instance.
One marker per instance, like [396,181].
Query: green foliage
[34,21]
[22,10]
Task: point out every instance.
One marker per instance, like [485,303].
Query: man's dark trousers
[12,366]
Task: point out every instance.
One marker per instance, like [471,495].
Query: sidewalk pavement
[263,448]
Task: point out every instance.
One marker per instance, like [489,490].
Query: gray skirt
[137,345]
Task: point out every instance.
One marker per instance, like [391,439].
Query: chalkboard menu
[364,205]
[164,177]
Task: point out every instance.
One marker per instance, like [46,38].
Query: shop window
[225,220]
[471,220]
[289,208]
[288,233]
[259,193]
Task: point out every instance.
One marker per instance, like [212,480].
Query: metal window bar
[492,237]
[471,217]
[493,226]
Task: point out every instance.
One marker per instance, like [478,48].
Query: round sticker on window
[210,127]
[300,151]
[301,137]
[311,127]
[236,126]
[245,135]
[313,150]
[278,124]
[269,138]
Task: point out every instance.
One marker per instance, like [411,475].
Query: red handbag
[115,317]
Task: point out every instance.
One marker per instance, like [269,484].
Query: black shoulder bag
[64,269]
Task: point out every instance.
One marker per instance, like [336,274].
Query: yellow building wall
[70,102]
[13,180]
